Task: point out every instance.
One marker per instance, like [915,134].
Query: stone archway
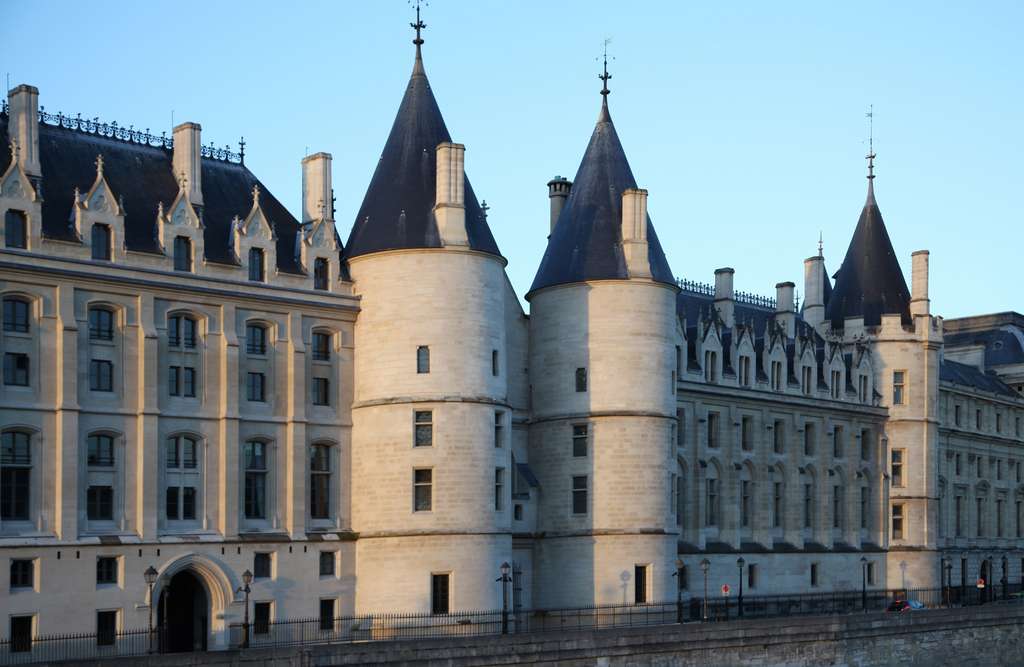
[183,614]
[208,587]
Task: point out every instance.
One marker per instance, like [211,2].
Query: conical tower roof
[869,282]
[397,211]
[586,243]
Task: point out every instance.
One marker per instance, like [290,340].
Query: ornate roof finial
[484,207]
[241,150]
[256,194]
[99,165]
[820,244]
[605,76]
[418,26]
[871,141]
[15,150]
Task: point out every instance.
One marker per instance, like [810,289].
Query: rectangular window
[499,429]
[182,254]
[174,380]
[106,570]
[327,614]
[680,428]
[581,380]
[977,419]
[499,489]
[22,573]
[21,634]
[423,485]
[188,503]
[957,464]
[898,387]
[440,591]
[100,503]
[808,505]
[897,468]
[256,268]
[808,439]
[999,517]
[999,423]
[979,509]
[752,575]
[320,273]
[959,516]
[640,584]
[321,347]
[106,628]
[777,504]
[713,430]
[101,242]
[100,452]
[779,436]
[256,387]
[806,380]
[579,440]
[321,391]
[171,503]
[256,467]
[261,618]
[837,442]
[255,339]
[16,369]
[16,315]
[747,433]
[15,229]
[999,469]
[327,562]
[897,521]
[579,494]
[814,575]
[495,367]
[101,375]
[838,502]
[837,383]
[101,324]
[422,359]
[261,565]
[711,513]
[188,382]
[871,573]
[865,445]
[956,415]
[776,376]
[745,501]
[424,428]
[865,501]
[320,482]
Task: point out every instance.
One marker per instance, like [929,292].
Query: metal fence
[26,649]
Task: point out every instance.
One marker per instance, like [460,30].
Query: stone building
[197,381]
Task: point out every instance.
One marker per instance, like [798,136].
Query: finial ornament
[256,195]
[820,244]
[871,141]
[605,76]
[484,207]
[99,165]
[419,25]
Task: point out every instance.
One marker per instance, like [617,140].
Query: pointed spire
[605,76]
[418,26]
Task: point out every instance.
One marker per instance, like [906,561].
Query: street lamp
[150,574]
[949,580]
[504,579]
[963,579]
[739,600]
[678,574]
[704,565]
[1004,580]
[245,588]
[864,584]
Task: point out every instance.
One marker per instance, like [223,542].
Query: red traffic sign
[981,583]
[725,590]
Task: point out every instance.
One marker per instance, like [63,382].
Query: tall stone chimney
[558,192]
[785,309]
[450,206]
[814,297]
[317,191]
[724,299]
[187,160]
[919,302]
[23,126]
[634,233]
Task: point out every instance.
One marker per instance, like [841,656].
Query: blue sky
[744,120]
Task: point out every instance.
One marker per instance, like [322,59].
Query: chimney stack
[919,303]
[785,309]
[23,126]
[317,192]
[724,299]
[814,297]
[450,206]
[634,233]
[187,160]
[558,192]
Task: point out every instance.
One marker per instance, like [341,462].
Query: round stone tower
[602,367]
[430,462]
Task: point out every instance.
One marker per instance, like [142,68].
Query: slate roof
[1001,334]
[398,209]
[971,376]
[142,177]
[586,243]
[870,282]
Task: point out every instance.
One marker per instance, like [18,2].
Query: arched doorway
[183,613]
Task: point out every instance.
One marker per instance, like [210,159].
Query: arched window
[101,450]
[256,456]
[15,229]
[182,254]
[101,323]
[182,478]
[101,242]
[181,331]
[255,339]
[321,346]
[320,474]
[257,271]
[320,273]
[423,359]
[712,496]
[16,314]
[15,475]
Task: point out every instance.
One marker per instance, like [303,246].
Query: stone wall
[987,636]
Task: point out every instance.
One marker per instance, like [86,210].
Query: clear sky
[744,120]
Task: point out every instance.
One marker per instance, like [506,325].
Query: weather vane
[605,76]
[419,25]
[871,140]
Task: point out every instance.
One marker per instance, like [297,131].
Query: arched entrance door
[183,614]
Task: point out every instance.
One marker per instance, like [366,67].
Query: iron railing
[389,627]
[707,289]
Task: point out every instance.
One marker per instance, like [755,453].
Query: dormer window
[15,229]
[776,376]
[710,366]
[101,324]
[183,254]
[744,371]
[101,242]
[257,271]
[862,389]
[320,273]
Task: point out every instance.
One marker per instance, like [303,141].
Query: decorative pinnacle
[256,195]
[418,26]
[871,141]
[605,76]
[820,244]
[484,207]
[99,165]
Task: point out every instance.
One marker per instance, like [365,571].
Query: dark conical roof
[397,211]
[586,243]
[870,282]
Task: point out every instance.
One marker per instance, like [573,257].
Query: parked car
[902,606]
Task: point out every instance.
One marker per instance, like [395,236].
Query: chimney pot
[317,190]
[558,192]
[23,126]
[187,160]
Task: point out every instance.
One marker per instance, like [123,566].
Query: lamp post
[150,574]
[504,579]
[947,578]
[245,588]
[739,598]
[678,574]
[864,584]
[963,579]
[704,565]
[1004,580]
